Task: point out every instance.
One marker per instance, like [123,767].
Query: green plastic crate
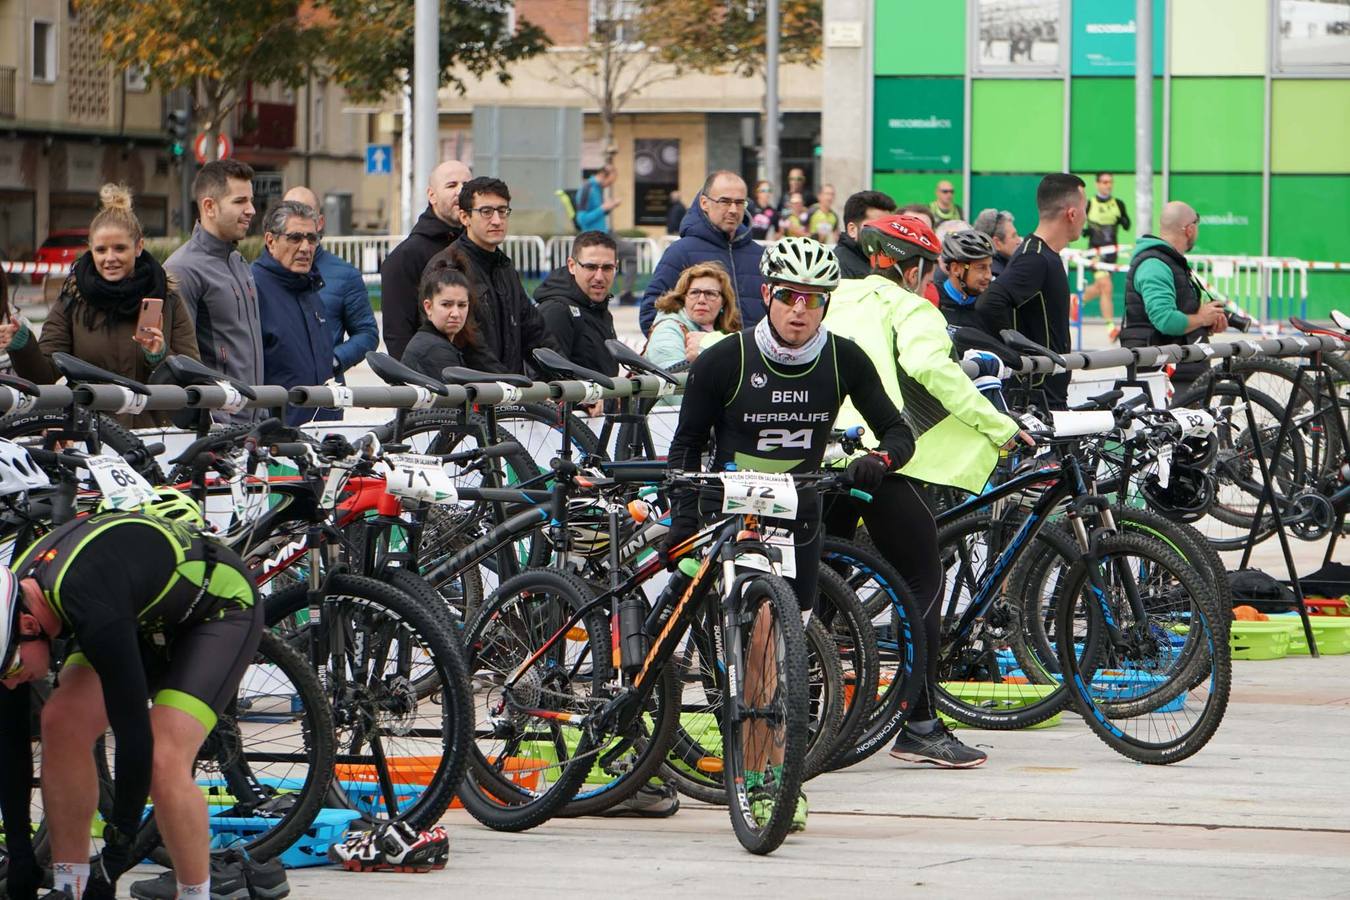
[1261,640]
[1005,694]
[1331,632]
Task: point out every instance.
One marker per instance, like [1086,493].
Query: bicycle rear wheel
[1158,694]
[764,722]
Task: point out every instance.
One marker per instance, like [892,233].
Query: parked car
[61,248]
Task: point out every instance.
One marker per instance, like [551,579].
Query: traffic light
[176,124]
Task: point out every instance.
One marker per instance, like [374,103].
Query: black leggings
[900,524]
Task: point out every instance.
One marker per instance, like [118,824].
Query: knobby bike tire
[294,809]
[772,596]
[843,618]
[901,652]
[17,426]
[393,613]
[1147,682]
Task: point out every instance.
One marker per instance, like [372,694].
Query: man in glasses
[574,302]
[944,207]
[768,398]
[716,229]
[1001,228]
[401,271]
[297,348]
[508,322]
[346,303]
[214,279]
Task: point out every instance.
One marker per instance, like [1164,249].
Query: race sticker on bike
[419,477]
[759,494]
[1193,422]
[787,554]
[122,488]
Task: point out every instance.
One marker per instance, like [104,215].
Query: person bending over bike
[960,435]
[157,612]
[768,397]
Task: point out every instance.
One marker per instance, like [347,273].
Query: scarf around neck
[782,354]
[116,301]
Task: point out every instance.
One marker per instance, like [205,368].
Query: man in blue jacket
[346,304]
[297,348]
[592,207]
[714,230]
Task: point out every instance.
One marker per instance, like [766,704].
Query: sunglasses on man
[792,296]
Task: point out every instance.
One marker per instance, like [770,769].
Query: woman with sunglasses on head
[695,315]
[297,346]
[98,315]
[769,397]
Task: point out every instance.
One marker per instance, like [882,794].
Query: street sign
[224,147]
[379,159]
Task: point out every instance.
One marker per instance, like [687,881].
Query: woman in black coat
[448,337]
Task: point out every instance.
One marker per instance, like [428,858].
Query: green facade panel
[915,187]
[917,124]
[1017,126]
[1216,124]
[1015,193]
[942,51]
[1328,291]
[1104,37]
[1308,216]
[1310,126]
[1230,211]
[1101,124]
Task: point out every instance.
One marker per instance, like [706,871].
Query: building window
[44,51]
[617,17]
[137,80]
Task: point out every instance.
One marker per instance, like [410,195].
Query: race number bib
[1193,422]
[121,487]
[759,494]
[418,477]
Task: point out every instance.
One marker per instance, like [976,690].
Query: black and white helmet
[800,261]
[966,246]
[18,472]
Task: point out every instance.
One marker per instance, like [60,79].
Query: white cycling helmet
[18,472]
[9,619]
[801,261]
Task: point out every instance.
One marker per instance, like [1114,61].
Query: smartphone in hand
[151,315]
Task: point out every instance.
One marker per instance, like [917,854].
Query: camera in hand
[1238,320]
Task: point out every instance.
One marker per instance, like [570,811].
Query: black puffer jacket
[580,326]
[509,326]
[402,271]
[853,263]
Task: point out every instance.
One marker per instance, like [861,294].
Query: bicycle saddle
[77,371]
[556,363]
[1307,327]
[22,385]
[185,371]
[461,376]
[393,372]
[1023,344]
[635,361]
[968,338]
[1341,319]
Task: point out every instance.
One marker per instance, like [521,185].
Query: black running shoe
[938,747]
[652,801]
[227,883]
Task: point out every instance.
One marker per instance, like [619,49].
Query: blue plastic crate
[310,850]
[1130,684]
[368,799]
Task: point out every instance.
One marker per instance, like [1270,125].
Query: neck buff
[778,352]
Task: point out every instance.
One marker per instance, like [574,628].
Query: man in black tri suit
[157,612]
[768,397]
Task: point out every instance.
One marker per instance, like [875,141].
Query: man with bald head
[346,305]
[944,207]
[438,225]
[716,229]
[1164,303]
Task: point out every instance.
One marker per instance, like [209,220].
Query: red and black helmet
[894,239]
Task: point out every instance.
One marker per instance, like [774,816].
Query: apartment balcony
[269,126]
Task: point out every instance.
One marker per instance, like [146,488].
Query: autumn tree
[615,65]
[729,35]
[212,47]
[369,43]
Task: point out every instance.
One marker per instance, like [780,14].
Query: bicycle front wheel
[1150,662]
[764,724]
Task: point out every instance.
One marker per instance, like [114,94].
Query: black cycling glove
[866,472]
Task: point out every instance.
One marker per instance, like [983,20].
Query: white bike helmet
[801,261]
[18,472]
[9,619]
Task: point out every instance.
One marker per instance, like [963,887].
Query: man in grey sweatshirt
[214,279]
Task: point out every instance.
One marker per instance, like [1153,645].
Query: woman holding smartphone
[117,310]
